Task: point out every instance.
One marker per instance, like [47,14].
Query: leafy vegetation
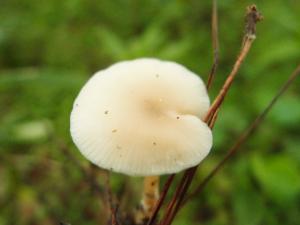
[49,49]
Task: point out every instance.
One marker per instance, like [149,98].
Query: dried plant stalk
[215,44]
[245,135]
[113,208]
[252,17]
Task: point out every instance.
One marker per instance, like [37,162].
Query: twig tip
[252,17]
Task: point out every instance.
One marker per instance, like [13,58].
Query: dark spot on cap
[154,143]
[157,75]
[153,183]
[114,130]
[119,147]
[106,112]
[178,117]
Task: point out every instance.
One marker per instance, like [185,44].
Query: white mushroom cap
[142,117]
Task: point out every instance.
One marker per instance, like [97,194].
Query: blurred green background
[48,49]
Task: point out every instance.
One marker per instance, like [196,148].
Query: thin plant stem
[172,203]
[221,96]
[185,183]
[252,17]
[245,135]
[110,202]
[170,214]
[215,44]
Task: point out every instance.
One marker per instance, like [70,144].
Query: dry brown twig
[112,206]
[252,17]
[245,135]
[215,44]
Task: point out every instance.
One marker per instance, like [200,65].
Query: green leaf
[248,207]
[32,131]
[287,111]
[112,44]
[278,175]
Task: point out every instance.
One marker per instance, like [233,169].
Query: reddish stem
[245,135]
[215,44]
[212,113]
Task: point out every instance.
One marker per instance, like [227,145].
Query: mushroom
[143,117]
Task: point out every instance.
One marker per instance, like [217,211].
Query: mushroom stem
[149,198]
